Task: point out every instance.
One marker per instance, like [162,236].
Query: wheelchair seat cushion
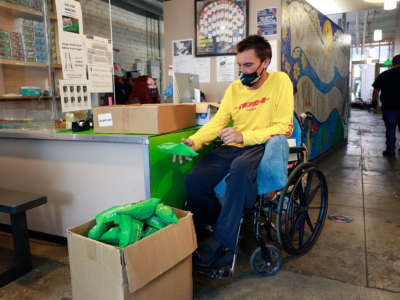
[272,170]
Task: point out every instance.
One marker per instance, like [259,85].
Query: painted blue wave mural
[320,137]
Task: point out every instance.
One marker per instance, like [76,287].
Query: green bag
[97,231]
[155,222]
[131,230]
[149,231]
[177,149]
[166,214]
[139,210]
[111,236]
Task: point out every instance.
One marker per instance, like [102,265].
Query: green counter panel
[167,178]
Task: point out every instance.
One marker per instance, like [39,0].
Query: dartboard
[222,20]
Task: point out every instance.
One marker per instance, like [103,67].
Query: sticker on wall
[75,95]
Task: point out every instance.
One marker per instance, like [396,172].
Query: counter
[85,173]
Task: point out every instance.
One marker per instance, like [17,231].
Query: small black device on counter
[82,125]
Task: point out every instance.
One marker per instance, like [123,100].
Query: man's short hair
[260,45]
[396,60]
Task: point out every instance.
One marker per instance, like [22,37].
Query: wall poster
[267,21]
[219,26]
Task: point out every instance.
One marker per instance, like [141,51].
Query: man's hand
[187,142]
[230,135]
[375,106]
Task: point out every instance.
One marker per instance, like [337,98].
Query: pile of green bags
[125,224]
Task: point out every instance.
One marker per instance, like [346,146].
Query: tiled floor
[359,260]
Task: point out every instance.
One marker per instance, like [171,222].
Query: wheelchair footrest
[215,273]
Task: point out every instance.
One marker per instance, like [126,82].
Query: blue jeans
[241,189]
[391,117]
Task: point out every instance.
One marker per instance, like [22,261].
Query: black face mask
[250,79]
[153,93]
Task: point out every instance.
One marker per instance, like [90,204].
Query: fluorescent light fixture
[377,35]
[390,4]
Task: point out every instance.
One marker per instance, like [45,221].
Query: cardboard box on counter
[156,267]
[205,111]
[146,118]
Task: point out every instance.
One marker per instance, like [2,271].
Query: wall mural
[316,56]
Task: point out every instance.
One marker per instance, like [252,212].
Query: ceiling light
[377,35]
[390,4]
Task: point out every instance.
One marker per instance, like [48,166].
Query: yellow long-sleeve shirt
[258,114]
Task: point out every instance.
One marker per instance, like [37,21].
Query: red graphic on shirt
[252,103]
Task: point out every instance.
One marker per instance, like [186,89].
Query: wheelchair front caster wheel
[266,264]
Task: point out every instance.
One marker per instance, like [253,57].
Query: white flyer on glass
[71,39]
[75,95]
[100,64]
[225,68]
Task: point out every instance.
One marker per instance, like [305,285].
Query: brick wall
[128,30]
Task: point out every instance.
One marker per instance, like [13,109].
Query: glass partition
[39,43]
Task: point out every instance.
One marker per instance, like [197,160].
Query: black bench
[16,204]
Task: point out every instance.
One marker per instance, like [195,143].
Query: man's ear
[266,63]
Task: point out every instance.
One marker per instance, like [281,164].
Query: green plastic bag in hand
[97,231]
[155,222]
[111,236]
[131,230]
[166,214]
[177,149]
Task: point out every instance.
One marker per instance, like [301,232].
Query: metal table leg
[23,259]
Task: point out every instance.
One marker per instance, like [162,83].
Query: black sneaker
[224,260]
[388,154]
[208,252]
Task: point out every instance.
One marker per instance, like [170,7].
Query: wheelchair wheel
[302,209]
[266,266]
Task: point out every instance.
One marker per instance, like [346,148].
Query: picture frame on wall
[219,26]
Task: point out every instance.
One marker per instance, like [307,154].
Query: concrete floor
[359,260]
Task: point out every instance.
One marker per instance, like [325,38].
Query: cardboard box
[146,118]
[156,267]
[205,111]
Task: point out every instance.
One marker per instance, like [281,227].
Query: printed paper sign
[105,120]
[100,64]
[71,40]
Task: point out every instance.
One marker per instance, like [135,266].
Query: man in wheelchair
[260,104]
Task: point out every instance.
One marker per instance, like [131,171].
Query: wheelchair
[292,216]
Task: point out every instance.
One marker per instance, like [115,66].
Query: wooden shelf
[20,11]
[21,63]
[25,98]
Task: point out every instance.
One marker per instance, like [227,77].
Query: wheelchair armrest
[297,149]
